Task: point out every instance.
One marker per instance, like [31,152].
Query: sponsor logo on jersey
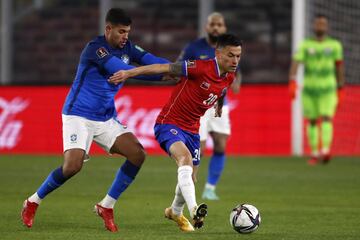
[204,57]
[73,138]
[174,131]
[102,52]
[191,63]
[311,51]
[327,51]
[125,58]
[205,85]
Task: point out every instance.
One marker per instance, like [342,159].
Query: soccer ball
[245,218]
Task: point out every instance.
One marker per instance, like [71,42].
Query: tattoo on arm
[176,69]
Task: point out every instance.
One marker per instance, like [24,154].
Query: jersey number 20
[211,99]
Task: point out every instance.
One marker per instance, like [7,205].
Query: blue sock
[216,166]
[52,182]
[123,179]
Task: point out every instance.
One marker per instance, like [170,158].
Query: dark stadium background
[41,41]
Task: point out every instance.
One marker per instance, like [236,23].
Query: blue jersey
[91,95]
[198,49]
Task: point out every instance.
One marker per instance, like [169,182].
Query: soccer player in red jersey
[203,85]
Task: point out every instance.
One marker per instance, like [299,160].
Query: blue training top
[91,95]
[198,49]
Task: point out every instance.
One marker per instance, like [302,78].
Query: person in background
[322,91]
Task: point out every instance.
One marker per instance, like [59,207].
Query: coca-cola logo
[10,128]
[139,120]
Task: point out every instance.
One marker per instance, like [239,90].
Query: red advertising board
[30,119]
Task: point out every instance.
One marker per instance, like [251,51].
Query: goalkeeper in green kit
[324,79]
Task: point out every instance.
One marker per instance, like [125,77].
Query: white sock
[177,205]
[315,154]
[108,202]
[325,151]
[187,187]
[210,186]
[35,198]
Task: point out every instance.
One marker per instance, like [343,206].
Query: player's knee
[184,160]
[137,156]
[326,118]
[220,143]
[70,169]
[220,148]
[141,155]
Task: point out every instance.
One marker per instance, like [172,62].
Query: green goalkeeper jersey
[319,60]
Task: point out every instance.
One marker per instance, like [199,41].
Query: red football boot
[326,158]
[107,214]
[313,161]
[28,213]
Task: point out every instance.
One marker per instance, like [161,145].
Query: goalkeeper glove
[292,89]
[340,95]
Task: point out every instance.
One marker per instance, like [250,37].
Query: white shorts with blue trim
[210,123]
[79,132]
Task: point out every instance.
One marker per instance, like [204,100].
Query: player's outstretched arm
[174,69]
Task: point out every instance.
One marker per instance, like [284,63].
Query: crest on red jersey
[191,63]
[205,85]
[102,52]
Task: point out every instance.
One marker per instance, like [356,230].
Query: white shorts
[79,132]
[210,123]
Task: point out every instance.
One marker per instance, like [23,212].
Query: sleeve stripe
[184,68]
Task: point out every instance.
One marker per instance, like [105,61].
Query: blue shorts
[167,134]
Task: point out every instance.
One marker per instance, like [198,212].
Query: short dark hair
[228,39]
[321,16]
[118,16]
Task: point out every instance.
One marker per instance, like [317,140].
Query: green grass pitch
[296,201]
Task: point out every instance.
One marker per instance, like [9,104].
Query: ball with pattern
[245,218]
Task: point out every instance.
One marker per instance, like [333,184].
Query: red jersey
[199,89]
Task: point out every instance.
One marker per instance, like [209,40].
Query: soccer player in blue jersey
[89,115]
[217,127]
